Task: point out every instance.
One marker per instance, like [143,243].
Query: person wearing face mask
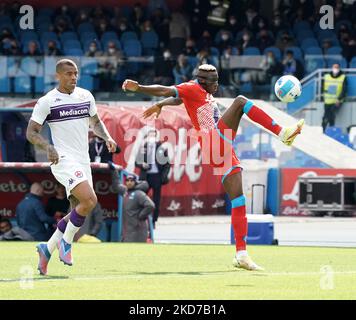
[93,50]
[163,68]
[52,49]
[334,91]
[225,40]
[232,25]
[154,165]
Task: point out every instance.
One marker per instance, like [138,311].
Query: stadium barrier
[17,176]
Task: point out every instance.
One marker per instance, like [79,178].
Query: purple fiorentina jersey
[68,118]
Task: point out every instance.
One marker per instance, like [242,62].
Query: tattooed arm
[100,130]
[33,134]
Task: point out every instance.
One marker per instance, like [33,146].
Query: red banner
[290,188]
[192,190]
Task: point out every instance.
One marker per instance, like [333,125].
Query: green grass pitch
[159,271]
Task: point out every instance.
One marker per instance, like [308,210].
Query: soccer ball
[287,88]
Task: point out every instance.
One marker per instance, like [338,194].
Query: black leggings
[329,115]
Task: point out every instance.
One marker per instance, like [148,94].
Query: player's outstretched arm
[153,90]
[100,130]
[33,134]
[157,107]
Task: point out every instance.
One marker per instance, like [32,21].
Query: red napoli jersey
[200,105]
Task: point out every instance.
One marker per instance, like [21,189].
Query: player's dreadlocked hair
[207,68]
[207,73]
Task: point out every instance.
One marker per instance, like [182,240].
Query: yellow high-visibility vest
[332,88]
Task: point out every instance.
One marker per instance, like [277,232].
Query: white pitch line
[240,273]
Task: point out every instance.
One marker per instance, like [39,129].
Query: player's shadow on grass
[35,279]
[187,273]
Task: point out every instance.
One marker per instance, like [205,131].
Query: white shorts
[70,173]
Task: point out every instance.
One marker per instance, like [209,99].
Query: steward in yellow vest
[334,89]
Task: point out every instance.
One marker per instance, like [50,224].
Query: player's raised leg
[85,194]
[233,187]
[242,105]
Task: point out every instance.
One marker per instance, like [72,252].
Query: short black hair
[6,220]
[62,62]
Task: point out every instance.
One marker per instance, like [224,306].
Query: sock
[73,225]
[52,242]
[241,253]
[239,222]
[258,115]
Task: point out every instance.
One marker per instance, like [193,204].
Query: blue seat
[88,66]
[128,35]
[32,66]
[215,51]
[353,62]
[334,50]
[71,44]
[4,79]
[351,85]
[86,82]
[333,131]
[275,50]
[22,84]
[251,51]
[68,35]
[301,25]
[325,33]
[305,34]
[342,138]
[28,35]
[50,66]
[313,50]
[193,61]
[45,12]
[85,27]
[109,35]
[88,35]
[49,35]
[249,154]
[4,85]
[132,48]
[39,84]
[313,63]
[4,19]
[309,42]
[73,51]
[150,42]
[330,60]
[43,27]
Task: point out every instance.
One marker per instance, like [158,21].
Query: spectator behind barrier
[8,232]
[136,209]
[58,206]
[31,216]
[334,92]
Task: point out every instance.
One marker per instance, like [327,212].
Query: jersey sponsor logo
[69,112]
[73,112]
[57,100]
[78,174]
